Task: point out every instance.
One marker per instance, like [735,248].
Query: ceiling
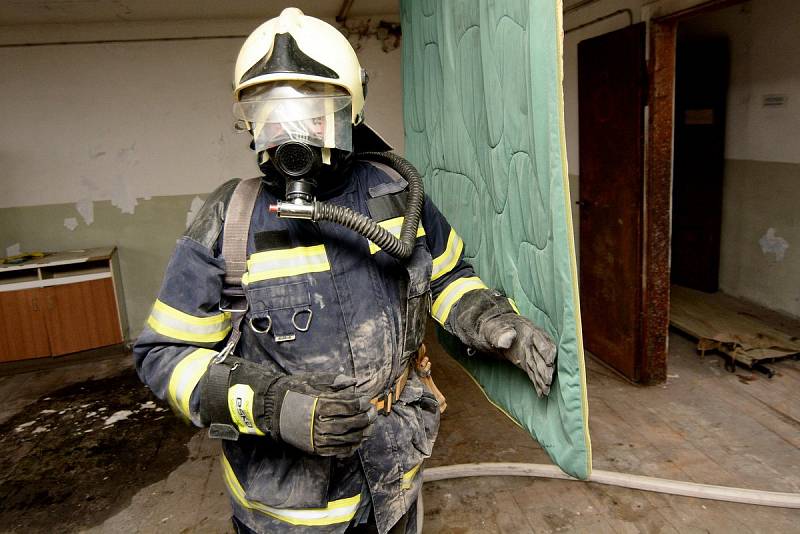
[17,12]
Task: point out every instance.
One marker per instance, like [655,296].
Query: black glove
[321,414]
[484,320]
[318,413]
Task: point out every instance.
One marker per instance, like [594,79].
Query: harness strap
[237,228]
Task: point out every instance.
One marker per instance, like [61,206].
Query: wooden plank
[703,315]
[717,322]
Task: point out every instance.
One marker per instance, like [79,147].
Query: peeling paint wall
[145,240]
[117,143]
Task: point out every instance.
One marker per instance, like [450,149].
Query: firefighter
[303,360]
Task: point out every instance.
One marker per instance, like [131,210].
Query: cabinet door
[82,316]
[22,325]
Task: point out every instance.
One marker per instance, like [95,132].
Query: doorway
[638,347]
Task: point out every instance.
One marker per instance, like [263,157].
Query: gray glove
[525,345]
[320,414]
[484,320]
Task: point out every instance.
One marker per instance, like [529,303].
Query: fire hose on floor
[610,478]
[624,480]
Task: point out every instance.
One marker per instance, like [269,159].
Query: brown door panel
[611,92]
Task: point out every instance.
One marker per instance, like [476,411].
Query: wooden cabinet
[21,334]
[63,303]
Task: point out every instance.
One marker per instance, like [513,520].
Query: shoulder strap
[237,227]
[399,183]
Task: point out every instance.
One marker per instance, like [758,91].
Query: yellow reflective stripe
[409,476]
[170,322]
[286,262]
[341,511]
[445,262]
[513,305]
[451,294]
[184,379]
[313,417]
[394,226]
[240,406]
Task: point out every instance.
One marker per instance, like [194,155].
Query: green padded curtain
[483,114]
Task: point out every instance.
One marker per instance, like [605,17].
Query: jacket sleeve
[186,328]
[452,277]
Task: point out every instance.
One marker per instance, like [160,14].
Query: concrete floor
[703,425]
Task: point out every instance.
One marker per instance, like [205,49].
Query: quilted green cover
[483,113]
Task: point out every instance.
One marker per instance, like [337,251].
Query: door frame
[662,18]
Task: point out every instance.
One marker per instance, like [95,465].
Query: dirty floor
[143,471]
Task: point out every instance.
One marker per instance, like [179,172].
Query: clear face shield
[313,113]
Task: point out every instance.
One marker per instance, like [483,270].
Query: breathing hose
[401,247]
[624,480]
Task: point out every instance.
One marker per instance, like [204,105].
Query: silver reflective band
[452,294]
[185,377]
[176,324]
[394,227]
[444,263]
[286,262]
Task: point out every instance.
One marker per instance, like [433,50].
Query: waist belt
[383,403]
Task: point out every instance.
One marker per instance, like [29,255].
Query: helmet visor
[313,113]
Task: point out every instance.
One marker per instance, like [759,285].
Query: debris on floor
[79,454]
[720,323]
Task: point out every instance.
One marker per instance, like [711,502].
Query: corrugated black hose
[399,248]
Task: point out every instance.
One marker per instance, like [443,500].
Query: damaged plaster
[13,250]
[772,244]
[70,223]
[85,207]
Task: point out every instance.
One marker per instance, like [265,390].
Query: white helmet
[296,48]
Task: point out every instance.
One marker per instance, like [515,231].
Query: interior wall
[761,191]
[117,143]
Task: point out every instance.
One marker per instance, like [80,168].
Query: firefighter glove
[525,345]
[485,321]
[320,413]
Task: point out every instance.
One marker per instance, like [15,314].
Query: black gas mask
[296,170]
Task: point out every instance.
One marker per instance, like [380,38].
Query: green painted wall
[145,240]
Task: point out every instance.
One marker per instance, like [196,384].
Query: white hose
[660,485]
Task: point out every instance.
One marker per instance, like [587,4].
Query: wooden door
[82,316]
[22,325]
[701,86]
[611,96]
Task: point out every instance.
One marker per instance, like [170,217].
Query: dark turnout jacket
[335,303]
